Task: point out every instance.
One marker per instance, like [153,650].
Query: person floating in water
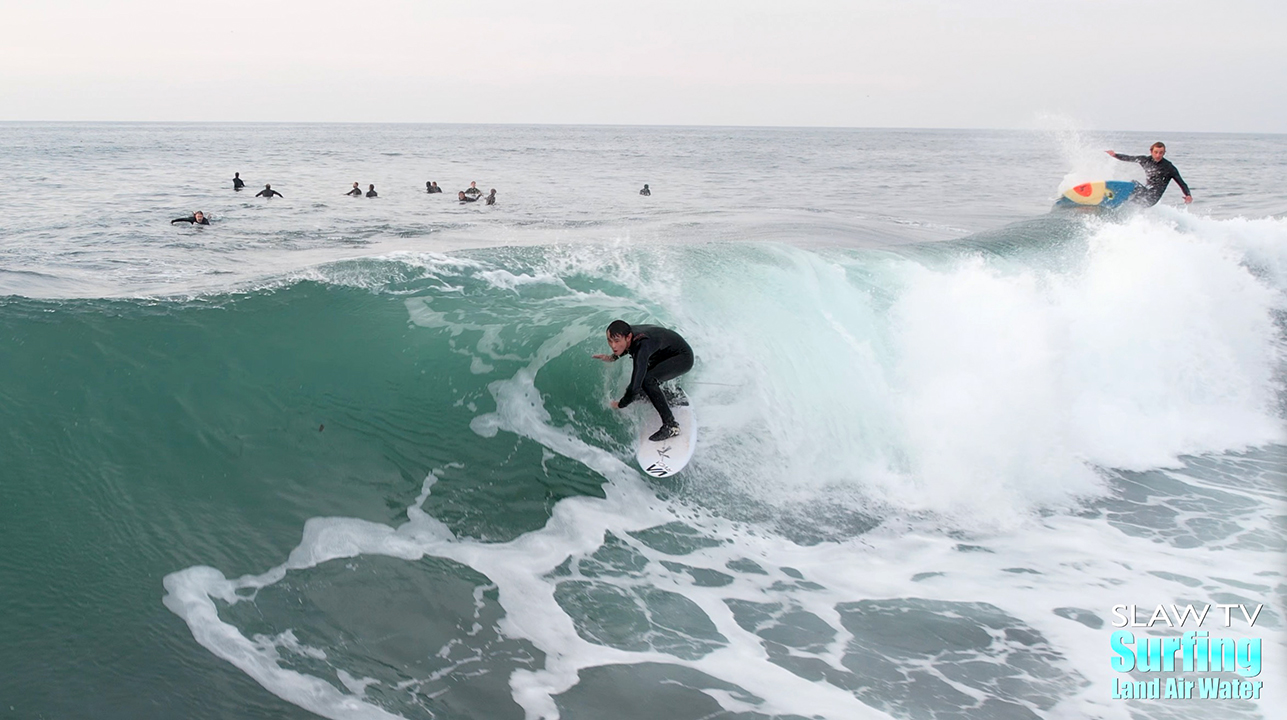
[491,197]
[464,197]
[659,355]
[371,192]
[198,218]
[432,187]
[237,183]
[473,192]
[645,192]
[1159,172]
[268,192]
[355,191]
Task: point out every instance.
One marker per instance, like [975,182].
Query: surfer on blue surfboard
[659,355]
[1158,171]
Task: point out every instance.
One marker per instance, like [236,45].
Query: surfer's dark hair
[619,328]
[1157,145]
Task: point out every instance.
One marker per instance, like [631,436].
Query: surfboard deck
[667,457]
[1103,194]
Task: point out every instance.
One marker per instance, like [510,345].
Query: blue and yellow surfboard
[1103,194]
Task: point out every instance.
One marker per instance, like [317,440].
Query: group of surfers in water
[468,195]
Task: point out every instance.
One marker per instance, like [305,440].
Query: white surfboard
[667,457]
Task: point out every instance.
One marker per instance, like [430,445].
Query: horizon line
[620,125]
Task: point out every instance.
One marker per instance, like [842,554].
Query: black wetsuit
[355,192]
[473,193]
[267,192]
[645,191]
[659,355]
[237,183]
[491,199]
[192,220]
[371,193]
[432,189]
[1159,174]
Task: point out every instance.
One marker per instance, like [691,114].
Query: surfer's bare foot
[669,430]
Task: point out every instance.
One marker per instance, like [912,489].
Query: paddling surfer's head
[1158,151]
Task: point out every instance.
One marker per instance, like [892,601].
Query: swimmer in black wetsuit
[473,192]
[491,197]
[466,198]
[659,355]
[198,218]
[237,183]
[371,192]
[645,192]
[355,192]
[268,192]
[432,187]
[1158,171]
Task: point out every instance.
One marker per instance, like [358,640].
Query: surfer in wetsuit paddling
[659,355]
[237,182]
[268,192]
[1159,172]
[198,218]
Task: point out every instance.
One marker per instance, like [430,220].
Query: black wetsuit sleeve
[1175,175]
[1131,158]
[641,354]
[188,220]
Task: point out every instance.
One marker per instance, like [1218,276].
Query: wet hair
[619,328]
[1157,145]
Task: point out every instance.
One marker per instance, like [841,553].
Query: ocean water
[351,457]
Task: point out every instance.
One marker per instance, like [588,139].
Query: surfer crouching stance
[659,355]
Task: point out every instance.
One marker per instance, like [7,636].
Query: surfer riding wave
[659,355]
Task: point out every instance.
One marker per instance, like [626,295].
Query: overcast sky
[1179,65]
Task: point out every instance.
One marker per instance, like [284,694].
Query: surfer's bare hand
[1188,199]
[1111,153]
[605,358]
[614,405]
